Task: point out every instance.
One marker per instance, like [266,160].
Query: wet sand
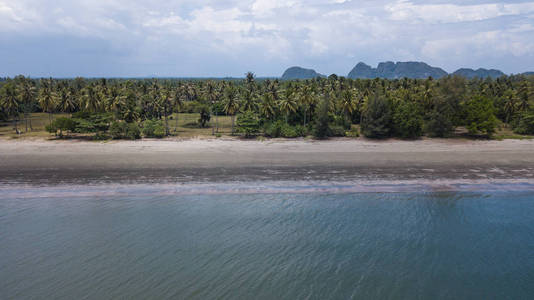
[42,162]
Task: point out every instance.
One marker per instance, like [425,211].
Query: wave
[264,187]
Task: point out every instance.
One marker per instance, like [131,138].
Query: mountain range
[391,70]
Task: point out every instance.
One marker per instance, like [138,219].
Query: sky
[195,38]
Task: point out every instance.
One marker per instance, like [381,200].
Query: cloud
[229,37]
[404,10]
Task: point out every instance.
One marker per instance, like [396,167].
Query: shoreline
[223,160]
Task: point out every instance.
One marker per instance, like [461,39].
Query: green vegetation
[248,123]
[322,107]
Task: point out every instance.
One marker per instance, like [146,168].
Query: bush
[133,132]
[117,130]
[91,122]
[376,121]
[439,124]
[301,130]
[273,130]
[337,130]
[407,122]
[480,116]
[288,131]
[153,129]
[322,128]
[525,124]
[205,116]
[101,136]
[123,130]
[282,129]
[61,124]
[353,133]
[248,123]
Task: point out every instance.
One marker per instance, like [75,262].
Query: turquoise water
[375,245]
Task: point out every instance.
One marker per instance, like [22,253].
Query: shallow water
[465,243]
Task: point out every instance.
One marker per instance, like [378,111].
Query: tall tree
[47,98]
[10,103]
[26,90]
[231,104]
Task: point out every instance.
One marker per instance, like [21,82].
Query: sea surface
[268,240]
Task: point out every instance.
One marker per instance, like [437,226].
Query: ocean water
[266,241]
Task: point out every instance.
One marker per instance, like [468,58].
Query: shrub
[117,130]
[301,130]
[288,131]
[101,136]
[282,129]
[353,133]
[133,132]
[439,124]
[123,130]
[322,128]
[153,129]
[407,122]
[204,116]
[337,130]
[273,130]
[376,121]
[61,124]
[525,124]
[480,116]
[91,122]
[248,123]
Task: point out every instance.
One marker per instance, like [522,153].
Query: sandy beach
[231,159]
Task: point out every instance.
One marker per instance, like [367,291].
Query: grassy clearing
[36,126]
[505,133]
[187,126]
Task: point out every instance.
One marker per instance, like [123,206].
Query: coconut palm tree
[231,103]
[511,102]
[288,104]
[248,100]
[26,91]
[10,103]
[65,101]
[90,99]
[306,97]
[268,106]
[47,98]
[166,102]
[348,105]
[212,96]
[178,104]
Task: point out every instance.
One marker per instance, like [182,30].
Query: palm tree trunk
[305,113]
[176,125]
[166,122]
[233,119]
[50,118]
[217,122]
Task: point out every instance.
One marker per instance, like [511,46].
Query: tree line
[323,107]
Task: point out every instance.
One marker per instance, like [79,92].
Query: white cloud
[331,35]
[404,10]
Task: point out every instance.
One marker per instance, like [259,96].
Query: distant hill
[391,70]
[300,73]
[480,73]
[528,73]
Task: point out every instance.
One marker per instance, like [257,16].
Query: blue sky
[66,38]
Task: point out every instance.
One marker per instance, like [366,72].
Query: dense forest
[322,107]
